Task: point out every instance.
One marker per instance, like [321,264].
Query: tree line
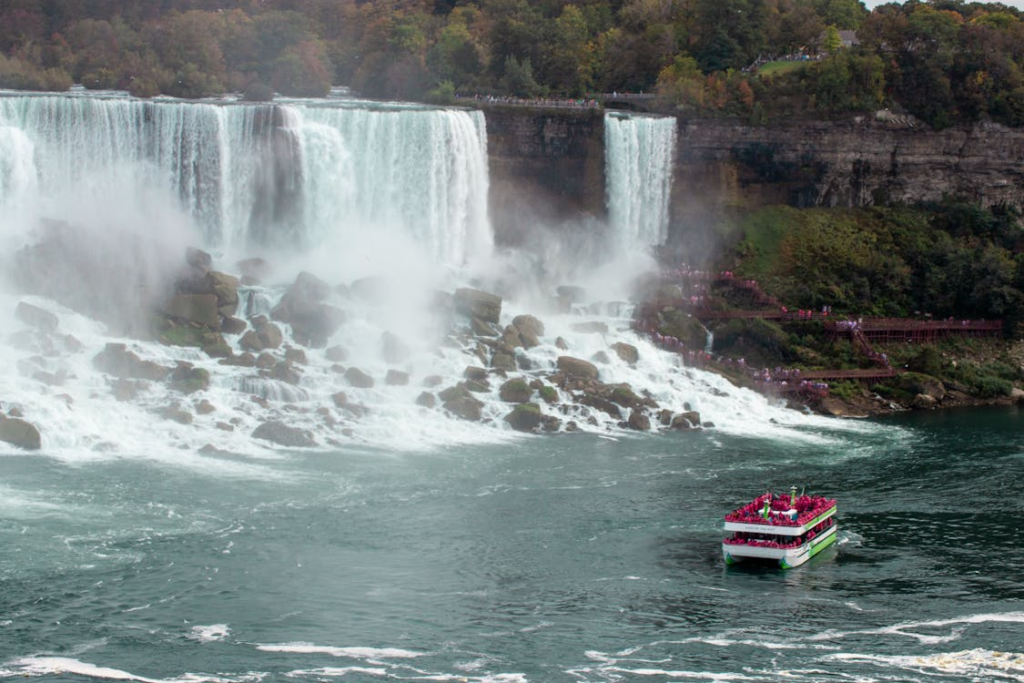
[943,61]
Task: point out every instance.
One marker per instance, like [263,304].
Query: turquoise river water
[563,558]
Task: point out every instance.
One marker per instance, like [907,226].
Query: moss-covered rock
[525,417]
[189,379]
[515,391]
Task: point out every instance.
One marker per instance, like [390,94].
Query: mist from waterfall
[639,157]
[387,204]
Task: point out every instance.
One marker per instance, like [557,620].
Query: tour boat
[784,529]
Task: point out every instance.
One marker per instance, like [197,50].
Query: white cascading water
[639,156]
[421,171]
[350,191]
[255,175]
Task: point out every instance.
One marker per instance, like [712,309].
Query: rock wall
[546,165]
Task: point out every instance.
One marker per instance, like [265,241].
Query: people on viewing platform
[512,101]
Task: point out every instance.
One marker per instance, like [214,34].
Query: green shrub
[987,386]
[927,361]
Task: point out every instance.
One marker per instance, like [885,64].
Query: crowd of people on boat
[772,508]
[775,541]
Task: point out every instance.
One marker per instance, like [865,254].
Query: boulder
[302,307]
[624,396]
[602,404]
[359,379]
[627,352]
[561,344]
[924,401]
[466,407]
[220,285]
[265,361]
[115,359]
[188,379]
[577,368]
[296,356]
[510,337]
[198,259]
[215,346]
[515,391]
[475,373]
[19,433]
[175,413]
[36,317]
[927,385]
[285,371]
[200,309]
[250,341]
[601,357]
[839,408]
[639,421]
[478,386]
[396,378]
[426,399]
[301,299]
[483,329]
[270,336]
[503,361]
[453,392]
[525,417]
[530,329]
[688,420]
[316,327]
[233,325]
[225,288]
[483,305]
[284,435]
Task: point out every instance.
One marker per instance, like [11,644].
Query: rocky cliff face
[860,162]
[545,167]
[726,168]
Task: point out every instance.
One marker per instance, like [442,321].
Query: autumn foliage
[943,61]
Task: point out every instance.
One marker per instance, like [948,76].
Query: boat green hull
[785,558]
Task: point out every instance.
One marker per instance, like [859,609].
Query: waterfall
[639,156]
[295,175]
[421,170]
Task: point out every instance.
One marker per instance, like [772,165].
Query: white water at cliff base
[348,191]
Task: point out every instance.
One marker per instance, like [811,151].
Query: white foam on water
[907,629]
[55,666]
[365,653]
[209,634]
[337,672]
[979,664]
